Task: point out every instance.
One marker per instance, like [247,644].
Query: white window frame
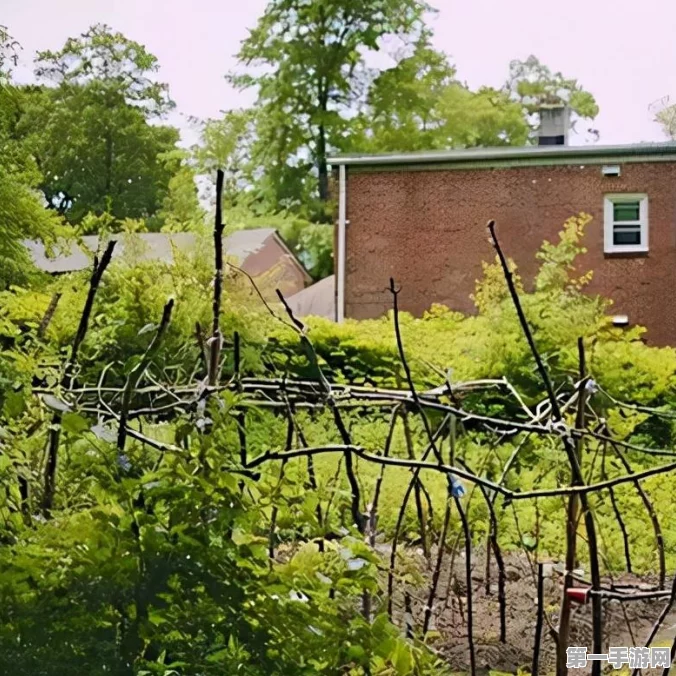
[609,222]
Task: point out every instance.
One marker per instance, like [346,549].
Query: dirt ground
[625,624]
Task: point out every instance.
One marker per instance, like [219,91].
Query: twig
[417,492]
[468,582]
[538,622]
[441,548]
[216,337]
[355,503]
[462,474]
[618,515]
[400,520]
[494,545]
[652,514]
[67,379]
[138,370]
[49,314]
[576,472]
[656,627]
[275,510]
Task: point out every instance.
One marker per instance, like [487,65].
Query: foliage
[90,131]
[181,210]
[9,52]
[304,58]
[163,570]
[158,559]
[534,85]
[21,213]
[309,65]
[490,344]
[226,144]
[117,65]
[156,562]
[418,104]
[665,116]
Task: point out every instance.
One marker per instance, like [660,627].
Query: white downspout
[342,222]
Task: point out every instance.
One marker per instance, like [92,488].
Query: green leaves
[313,71]
[74,423]
[21,213]
[87,126]
[533,85]
[107,57]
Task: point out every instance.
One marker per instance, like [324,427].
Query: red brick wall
[427,229]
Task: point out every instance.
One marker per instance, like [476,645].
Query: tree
[665,116]
[533,85]
[303,58]
[21,214]
[117,65]
[9,53]
[181,210]
[90,132]
[418,104]
[226,144]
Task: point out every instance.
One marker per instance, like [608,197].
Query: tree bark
[322,167]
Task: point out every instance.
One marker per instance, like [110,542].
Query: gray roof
[636,152]
[157,246]
[318,300]
[242,243]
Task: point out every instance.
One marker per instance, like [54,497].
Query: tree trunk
[322,167]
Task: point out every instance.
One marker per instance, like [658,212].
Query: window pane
[627,211]
[626,236]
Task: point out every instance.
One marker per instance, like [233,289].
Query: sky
[624,56]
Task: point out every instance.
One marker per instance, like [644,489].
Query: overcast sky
[622,51]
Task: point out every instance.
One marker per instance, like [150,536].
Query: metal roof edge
[539,154]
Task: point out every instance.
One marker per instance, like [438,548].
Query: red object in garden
[578,594]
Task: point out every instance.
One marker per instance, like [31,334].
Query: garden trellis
[567,417]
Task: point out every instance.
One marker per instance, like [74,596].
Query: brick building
[421,218]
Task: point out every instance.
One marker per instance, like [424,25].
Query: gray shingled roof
[146,246]
[317,300]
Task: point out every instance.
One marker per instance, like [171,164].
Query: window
[626,223]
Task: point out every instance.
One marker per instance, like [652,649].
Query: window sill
[627,252]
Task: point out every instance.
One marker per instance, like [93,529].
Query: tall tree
[90,129]
[302,58]
[226,143]
[116,65]
[419,104]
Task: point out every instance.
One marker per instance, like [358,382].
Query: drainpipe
[342,222]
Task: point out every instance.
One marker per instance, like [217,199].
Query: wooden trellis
[286,396]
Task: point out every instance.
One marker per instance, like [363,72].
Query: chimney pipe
[554,125]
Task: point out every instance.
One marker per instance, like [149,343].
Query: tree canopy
[534,85]
[93,134]
[305,60]
[419,104]
[319,93]
[88,126]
